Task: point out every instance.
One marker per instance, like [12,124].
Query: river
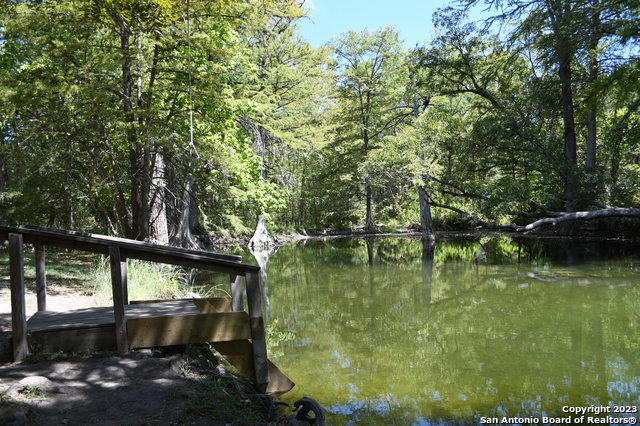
[392,331]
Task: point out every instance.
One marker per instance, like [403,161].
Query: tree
[371,83]
[288,88]
[107,92]
[559,33]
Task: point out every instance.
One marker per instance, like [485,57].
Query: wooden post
[125,283]
[41,278]
[258,341]
[237,303]
[118,278]
[18,309]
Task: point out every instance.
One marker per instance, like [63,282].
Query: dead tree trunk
[585,215]
[262,239]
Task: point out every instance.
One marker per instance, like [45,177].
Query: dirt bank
[142,388]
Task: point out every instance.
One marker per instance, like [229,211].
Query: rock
[41,383]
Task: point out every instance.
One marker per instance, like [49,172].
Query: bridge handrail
[132,249]
[119,250]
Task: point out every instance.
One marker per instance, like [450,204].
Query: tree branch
[588,215]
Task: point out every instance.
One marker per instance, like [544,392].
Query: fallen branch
[536,215]
[589,215]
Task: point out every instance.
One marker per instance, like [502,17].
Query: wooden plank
[90,317]
[139,302]
[237,302]
[18,309]
[74,340]
[254,301]
[183,329]
[240,355]
[118,299]
[103,315]
[160,309]
[211,305]
[41,278]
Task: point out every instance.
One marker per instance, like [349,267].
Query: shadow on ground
[105,390]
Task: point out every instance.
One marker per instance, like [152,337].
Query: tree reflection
[262,258]
[428,253]
[427,331]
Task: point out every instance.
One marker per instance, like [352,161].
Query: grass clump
[222,396]
[145,281]
[33,392]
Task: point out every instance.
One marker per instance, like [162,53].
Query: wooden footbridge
[237,335]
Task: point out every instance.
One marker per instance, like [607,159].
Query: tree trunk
[184,237]
[559,14]
[68,213]
[590,163]
[4,172]
[262,239]
[426,223]
[302,207]
[137,169]
[369,223]
[159,232]
[568,119]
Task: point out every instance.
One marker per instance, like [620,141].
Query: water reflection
[397,331]
[428,252]
[262,256]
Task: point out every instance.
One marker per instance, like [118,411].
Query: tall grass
[145,280]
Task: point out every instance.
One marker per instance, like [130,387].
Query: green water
[387,331]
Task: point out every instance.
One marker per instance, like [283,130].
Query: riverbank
[142,388]
[587,234]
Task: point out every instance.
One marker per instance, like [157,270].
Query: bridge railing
[119,250]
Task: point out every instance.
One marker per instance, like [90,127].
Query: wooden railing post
[18,309]
[41,278]
[258,341]
[118,284]
[125,282]
[237,303]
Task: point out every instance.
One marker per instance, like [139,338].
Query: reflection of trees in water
[454,327]
[428,253]
[370,253]
[262,257]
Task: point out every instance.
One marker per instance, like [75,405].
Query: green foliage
[101,98]
[145,281]
[33,392]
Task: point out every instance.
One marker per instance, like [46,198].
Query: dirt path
[105,390]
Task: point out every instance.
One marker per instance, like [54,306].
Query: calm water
[387,331]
